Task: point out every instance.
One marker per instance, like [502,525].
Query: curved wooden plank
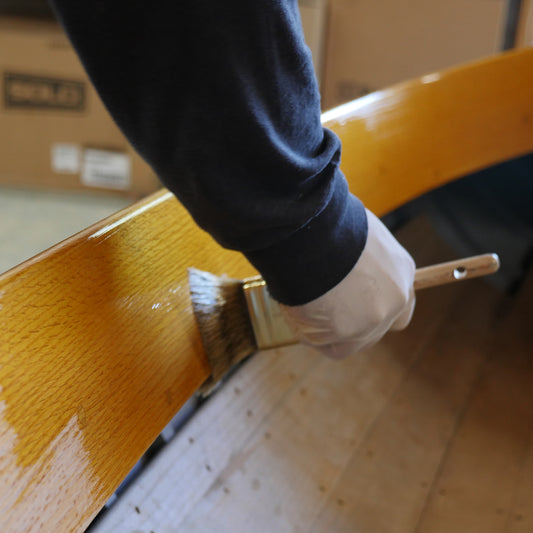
[406,140]
[98,350]
[98,346]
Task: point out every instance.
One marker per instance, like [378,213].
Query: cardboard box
[524,36]
[313,15]
[54,129]
[372,44]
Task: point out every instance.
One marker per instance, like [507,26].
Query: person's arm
[221,99]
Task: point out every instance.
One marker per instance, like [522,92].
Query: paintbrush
[236,318]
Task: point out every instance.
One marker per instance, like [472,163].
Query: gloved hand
[376,296]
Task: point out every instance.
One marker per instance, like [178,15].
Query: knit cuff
[320,254]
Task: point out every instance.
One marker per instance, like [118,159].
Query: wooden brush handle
[452,271]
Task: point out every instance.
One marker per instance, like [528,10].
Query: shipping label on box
[66,158]
[106,169]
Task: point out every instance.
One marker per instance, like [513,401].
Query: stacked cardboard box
[313,15]
[524,36]
[54,129]
[376,43]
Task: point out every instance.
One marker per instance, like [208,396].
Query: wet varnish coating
[98,350]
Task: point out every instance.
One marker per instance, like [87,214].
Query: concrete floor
[31,221]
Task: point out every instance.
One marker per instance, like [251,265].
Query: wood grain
[98,346]
[385,484]
[98,350]
[482,482]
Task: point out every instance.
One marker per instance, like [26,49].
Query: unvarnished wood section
[421,134]
[98,346]
[429,431]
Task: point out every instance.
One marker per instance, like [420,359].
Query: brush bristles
[223,320]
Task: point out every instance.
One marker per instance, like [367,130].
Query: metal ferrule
[270,327]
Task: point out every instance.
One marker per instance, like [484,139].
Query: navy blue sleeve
[220,98]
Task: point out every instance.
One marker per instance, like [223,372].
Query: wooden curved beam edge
[98,351]
[416,136]
[98,343]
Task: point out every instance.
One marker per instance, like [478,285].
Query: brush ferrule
[270,327]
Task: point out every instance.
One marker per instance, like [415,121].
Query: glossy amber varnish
[98,345]
[401,142]
[98,350]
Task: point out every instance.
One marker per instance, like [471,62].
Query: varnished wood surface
[98,346]
[421,134]
[429,431]
[98,350]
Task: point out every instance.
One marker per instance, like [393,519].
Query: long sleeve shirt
[220,98]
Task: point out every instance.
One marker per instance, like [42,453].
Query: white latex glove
[376,296]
